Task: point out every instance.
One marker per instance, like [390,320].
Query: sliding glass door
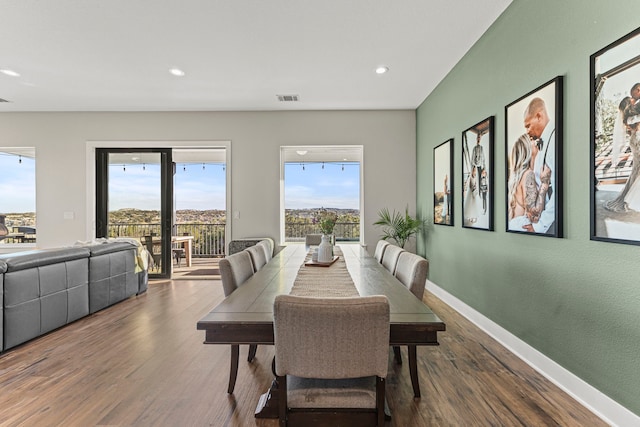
[134,199]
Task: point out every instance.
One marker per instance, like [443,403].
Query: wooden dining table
[186,242]
[246,315]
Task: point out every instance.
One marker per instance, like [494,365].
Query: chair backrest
[258,257]
[380,247]
[312,239]
[268,249]
[331,338]
[412,271]
[390,257]
[235,270]
[147,241]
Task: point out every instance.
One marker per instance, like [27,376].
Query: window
[17,195]
[321,177]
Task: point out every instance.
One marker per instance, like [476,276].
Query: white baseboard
[601,405]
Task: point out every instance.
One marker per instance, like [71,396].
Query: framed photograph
[534,161]
[477,176]
[443,183]
[615,141]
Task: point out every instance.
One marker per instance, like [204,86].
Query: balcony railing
[208,239]
[344,231]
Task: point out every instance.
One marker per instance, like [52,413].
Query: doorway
[134,194]
[173,200]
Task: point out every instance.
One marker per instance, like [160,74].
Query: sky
[316,187]
[131,186]
[17,184]
[195,187]
[200,189]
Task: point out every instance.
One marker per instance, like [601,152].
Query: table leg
[397,355]
[413,370]
[233,372]
[188,249]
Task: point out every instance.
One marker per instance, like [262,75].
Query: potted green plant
[326,221]
[397,226]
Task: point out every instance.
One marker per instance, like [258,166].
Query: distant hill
[140,216]
[211,216]
[24,219]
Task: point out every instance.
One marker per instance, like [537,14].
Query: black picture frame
[477,175]
[615,146]
[443,192]
[533,191]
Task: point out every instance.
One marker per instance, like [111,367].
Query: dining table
[246,315]
[185,242]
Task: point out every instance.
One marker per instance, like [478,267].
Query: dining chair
[331,357]
[234,271]
[380,247]
[390,257]
[411,271]
[268,249]
[178,253]
[147,241]
[312,240]
[258,257]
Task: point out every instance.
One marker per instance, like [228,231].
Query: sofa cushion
[112,276]
[110,247]
[43,290]
[39,257]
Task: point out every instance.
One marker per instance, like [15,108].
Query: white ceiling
[114,55]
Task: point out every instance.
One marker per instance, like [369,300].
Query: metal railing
[344,231]
[208,239]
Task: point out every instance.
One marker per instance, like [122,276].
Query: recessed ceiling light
[9,72]
[177,72]
[382,69]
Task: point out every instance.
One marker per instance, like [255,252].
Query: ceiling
[238,55]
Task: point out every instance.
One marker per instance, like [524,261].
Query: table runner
[331,281]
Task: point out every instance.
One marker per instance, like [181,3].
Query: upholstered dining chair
[234,271]
[312,240]
[331,359]
[258,257]
[147,241]
[380,247]
[178,254]
[268,249]
[411,271]
[390,257]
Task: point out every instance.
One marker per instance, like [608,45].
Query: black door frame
[166,198]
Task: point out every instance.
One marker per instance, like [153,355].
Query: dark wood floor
[142,363]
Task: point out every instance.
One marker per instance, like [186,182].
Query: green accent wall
[575,300]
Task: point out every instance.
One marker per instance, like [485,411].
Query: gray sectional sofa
[42,290]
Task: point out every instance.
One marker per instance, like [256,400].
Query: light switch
[236,215]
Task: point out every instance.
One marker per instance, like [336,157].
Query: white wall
[61,141]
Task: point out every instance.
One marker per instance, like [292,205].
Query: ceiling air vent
[288,98]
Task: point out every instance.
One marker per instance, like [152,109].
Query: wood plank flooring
[142,363]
